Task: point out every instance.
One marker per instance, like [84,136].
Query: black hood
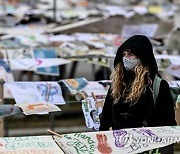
[140,46]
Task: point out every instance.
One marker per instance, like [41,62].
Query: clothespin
[84,97]
[94,97]
[54,133]
[82,94]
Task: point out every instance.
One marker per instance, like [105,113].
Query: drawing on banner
[39,62]
[48,91]
[92,111]
[147,132]
[75,84]
[25,92]
[122,138]
[103,145]
[51,92]
[38,108]
[32,107]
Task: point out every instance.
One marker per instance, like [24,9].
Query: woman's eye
[130,54]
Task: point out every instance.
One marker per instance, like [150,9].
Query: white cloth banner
[134,140]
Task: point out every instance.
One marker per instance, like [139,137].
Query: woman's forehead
[127,52]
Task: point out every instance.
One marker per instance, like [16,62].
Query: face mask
[130,64]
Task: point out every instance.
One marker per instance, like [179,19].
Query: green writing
[18,145]
[85,137]
[79,145]
[86,106]
[15,139]
[31,151]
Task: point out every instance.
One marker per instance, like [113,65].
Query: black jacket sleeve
[164,113]
[106,120]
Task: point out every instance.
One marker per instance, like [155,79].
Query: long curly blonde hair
[121,89]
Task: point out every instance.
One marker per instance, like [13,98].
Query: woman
[129,102]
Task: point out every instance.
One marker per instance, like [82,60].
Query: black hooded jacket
[144,112]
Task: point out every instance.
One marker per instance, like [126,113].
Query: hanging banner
[133,140]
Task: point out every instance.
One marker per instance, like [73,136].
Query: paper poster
[175,60]
[155,9]
[61,38]
[92,110]
[53,71]
[3,54]
[173,42]
[25,92]
[69,49]
[174,70]
[86,36]
[7,76]
[46,53]
[174,83]
[20,54]
[95,87]
[23,64]
[75,84]
[176,19]
[38,108]
[143,29]
[103,61]
[140,9]
[96,43]
[29,144]
[48,62]
[51,92]
[133,140]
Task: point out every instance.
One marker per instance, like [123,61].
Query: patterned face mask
[130,64]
